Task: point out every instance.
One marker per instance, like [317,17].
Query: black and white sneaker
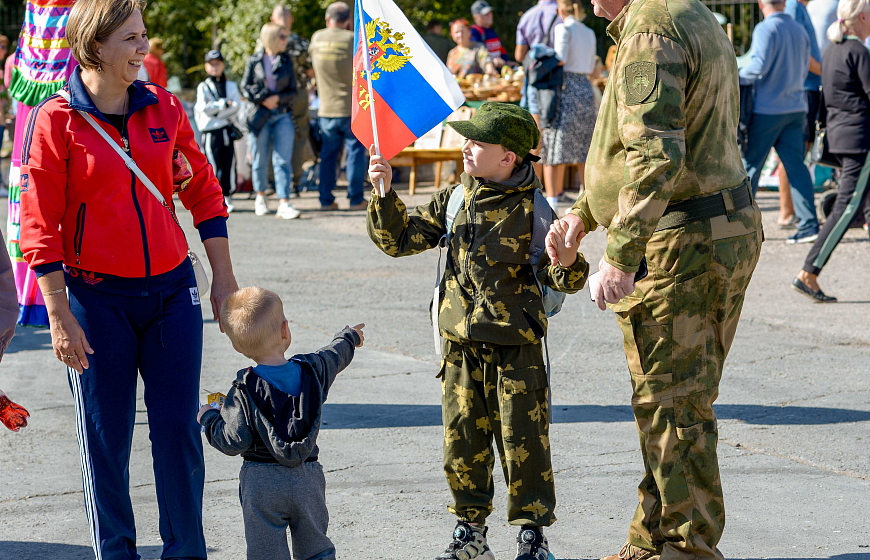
[469,543]
[532,544]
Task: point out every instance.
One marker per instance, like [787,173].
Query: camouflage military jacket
[488,293]
[297,48]
[667,127]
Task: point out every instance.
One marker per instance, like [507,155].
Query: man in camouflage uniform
[664,177]
[297,48]
[491,315]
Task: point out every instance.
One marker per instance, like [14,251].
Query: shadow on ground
[29,339]
[23,550]
[346,416]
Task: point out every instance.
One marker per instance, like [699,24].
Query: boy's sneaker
[806,237]
[469,543]
[532,544]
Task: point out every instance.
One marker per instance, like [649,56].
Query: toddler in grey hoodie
[271,417]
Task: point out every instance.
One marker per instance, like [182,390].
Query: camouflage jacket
[297,48]
[667,128]
[488,293]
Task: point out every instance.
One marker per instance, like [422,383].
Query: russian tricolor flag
[413,90]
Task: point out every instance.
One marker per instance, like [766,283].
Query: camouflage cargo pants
[497,392]
[678,327]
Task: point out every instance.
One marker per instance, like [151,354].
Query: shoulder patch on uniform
[640,81]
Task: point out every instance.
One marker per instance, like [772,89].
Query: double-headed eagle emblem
[388,53]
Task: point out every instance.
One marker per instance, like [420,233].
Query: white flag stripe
[423,58]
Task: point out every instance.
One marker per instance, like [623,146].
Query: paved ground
[794,411]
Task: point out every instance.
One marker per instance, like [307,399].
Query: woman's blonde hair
[574,8]
[92,21]
[847,12]
[269,36]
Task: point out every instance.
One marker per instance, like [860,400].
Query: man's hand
[571,230]
[379,169]
[359,330]
[271,102]
[556,239]
[613,284]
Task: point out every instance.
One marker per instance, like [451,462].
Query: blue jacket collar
[80,100]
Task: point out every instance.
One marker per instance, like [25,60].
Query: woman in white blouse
[566,141]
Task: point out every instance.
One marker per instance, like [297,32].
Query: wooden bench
[440,144]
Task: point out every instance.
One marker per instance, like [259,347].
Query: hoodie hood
[523,179]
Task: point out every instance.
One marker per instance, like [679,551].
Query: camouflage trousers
[677,328]
[490,391]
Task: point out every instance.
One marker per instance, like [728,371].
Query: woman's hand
[223,279]
[271,102]
[222,286]
[68,340]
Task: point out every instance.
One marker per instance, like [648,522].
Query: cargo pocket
[700,468]
[691,325]
[522,391]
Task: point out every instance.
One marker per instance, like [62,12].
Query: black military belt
[722,203]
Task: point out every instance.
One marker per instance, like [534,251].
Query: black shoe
[818,297]
[469,543]
[532,544]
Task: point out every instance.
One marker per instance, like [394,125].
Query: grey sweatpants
[275,498]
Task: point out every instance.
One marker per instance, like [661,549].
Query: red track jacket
[82,207]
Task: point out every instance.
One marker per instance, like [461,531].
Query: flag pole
[368,66]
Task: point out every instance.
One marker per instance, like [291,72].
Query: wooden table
[413,157]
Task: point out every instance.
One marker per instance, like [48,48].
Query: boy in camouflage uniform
[491,315]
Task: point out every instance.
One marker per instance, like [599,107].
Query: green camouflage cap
[502,123]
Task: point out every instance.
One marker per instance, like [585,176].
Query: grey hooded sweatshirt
[267,425]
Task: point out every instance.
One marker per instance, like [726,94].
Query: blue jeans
[280,133]
[786,134]
[335,132]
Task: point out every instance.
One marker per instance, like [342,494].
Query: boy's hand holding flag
[401,88]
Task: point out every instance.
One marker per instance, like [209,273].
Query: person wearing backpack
[492,316]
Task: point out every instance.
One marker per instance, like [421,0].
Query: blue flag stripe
[409,95]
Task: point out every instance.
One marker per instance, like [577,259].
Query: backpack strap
[457,199]
[542,219]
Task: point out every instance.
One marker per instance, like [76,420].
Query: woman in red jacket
[121,293]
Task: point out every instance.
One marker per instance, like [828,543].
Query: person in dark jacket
[270,83]
[271,416]
[846,87]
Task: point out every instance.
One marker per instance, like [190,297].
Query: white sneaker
[286,211]
[228,200]
[260,206]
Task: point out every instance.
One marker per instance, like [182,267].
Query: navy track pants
[160,337]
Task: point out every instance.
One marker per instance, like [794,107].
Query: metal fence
[742,17]
[11,18]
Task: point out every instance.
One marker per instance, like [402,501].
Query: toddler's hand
[379,169]
[565,256]
[359,330]
[202,410]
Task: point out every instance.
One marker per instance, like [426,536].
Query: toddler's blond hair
[252,318]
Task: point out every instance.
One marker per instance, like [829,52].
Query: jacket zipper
[468,261]
[79,233]
[144,234]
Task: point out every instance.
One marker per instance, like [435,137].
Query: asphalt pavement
[794,410]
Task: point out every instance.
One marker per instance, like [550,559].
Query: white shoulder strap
[128,161]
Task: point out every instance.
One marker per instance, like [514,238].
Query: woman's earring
[99,68]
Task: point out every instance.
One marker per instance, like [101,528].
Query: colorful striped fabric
[43,63]
[43,53]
